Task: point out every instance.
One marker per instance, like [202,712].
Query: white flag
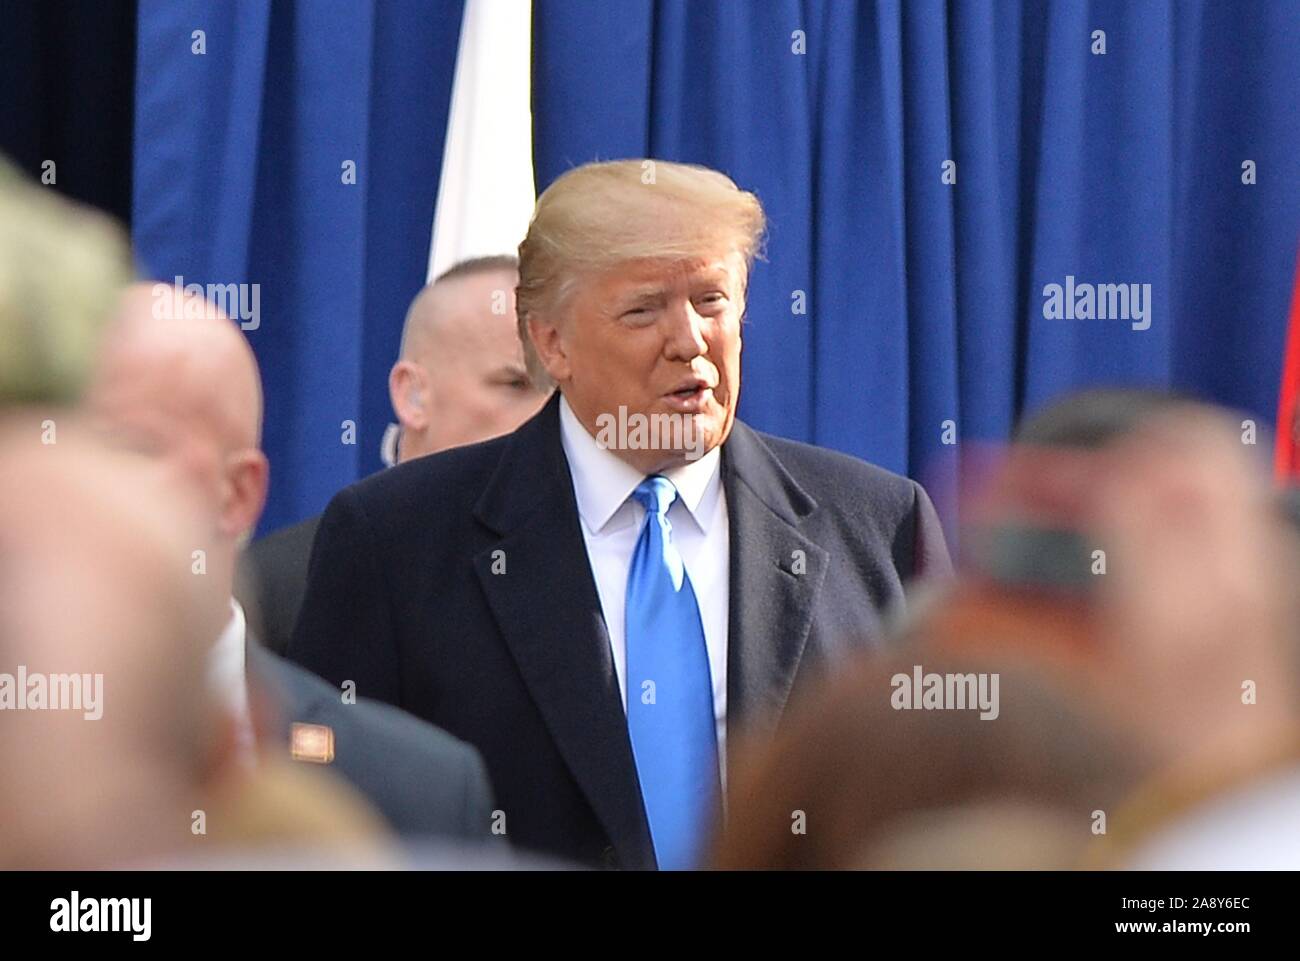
[486,194]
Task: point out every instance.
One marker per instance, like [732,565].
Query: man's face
[478,384]
[657,338]
[135,409]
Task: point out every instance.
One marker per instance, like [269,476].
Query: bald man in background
[184,391]
[460,379]
[461,376]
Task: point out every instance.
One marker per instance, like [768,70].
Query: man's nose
[685,336]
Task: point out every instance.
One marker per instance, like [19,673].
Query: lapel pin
[311,742]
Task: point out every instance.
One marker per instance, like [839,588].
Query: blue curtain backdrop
[239,157]
[924,300]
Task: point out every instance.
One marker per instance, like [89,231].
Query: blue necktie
[669,693]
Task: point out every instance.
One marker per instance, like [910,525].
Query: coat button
[609,857]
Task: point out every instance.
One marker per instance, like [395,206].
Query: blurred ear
[247,477]
[550,348]
[408,390]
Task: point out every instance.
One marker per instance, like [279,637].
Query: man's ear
[549,346]
[247,478]
[408,390]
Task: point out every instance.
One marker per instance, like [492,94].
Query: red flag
[1287,456]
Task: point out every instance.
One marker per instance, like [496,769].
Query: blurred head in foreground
[97,605]
[1134,548]
[1130,579]
[99,637]
[632,285]
[461,376]
[1145,552]
[863,776]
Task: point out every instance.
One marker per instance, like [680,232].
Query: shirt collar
[388,445]
[603,482]
[226,659]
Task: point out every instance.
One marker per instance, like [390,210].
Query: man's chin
[659,438]
[700,433]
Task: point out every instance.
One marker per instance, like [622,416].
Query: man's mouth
[690,396]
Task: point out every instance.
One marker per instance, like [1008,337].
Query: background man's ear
[408,390]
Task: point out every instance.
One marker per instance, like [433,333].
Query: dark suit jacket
[272,580]
[422,780]
[402,597]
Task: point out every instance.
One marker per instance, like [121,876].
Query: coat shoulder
[869,511]
[444,485]
[465,467]
[836,479]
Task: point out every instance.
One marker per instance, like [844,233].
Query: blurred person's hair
[1095,417]
[600,215]
[61,267]
[860,773]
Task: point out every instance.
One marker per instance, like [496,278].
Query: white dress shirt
[228,677]
[611,523]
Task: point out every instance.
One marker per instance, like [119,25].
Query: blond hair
[599,215]
[61,268]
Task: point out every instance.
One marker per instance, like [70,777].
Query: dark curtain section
[924,299]
[300,151]
[67,75]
